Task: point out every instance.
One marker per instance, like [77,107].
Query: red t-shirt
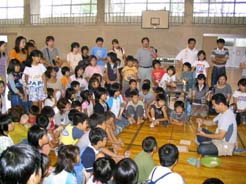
[157,74]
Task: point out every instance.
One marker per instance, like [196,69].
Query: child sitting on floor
[132,87]
[158,112]
[101,97]
[87,103]
[178,116]
[135,109]
[33,112]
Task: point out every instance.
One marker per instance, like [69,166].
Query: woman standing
[19,52]
[3,59]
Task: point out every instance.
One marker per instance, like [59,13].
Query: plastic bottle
[198,162]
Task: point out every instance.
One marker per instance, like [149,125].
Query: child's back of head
[149,144]
[96,135]
[79,117]
[42,121]
[168,155]
[96,119]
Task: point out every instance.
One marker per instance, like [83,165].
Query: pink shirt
[90,70]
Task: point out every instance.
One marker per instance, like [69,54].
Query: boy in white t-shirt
[168,155]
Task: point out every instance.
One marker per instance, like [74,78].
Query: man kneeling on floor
[224,140]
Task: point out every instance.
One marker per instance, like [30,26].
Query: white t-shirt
[73,59]
[116,105]
[243,61]
[241,99]
[166,78]
[159,171]
[187,55]
[201,67]
[35,75]
[227,122]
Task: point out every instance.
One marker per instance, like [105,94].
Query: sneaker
[152,125]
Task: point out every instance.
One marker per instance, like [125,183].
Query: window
[67,8]
[130,11]
[135,7]
[11,9]
[219,8]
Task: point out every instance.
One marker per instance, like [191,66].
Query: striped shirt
[218,54]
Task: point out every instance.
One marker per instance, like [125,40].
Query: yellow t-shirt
[19,56]
[19,133]
[129,72]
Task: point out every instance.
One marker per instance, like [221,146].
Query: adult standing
[3,59]
[189,54]
[145,56]
[219,58]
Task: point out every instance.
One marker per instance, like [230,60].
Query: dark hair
[17,44]
[61,104]
[71,114]
[112,56]
[34,134]
[96,119]
[76,103]
[159,90]
[45,164]
[99,92]
[79,117]
[145,38]
[114,88]
[96,135]
[221,40]
[99,39]
[115,41]
[134,93]
[201,52]
[18,163]
[77,68]
[74,45]
[103,169]
[201,77]
[85,95]
[42,121]
[50,93]
[74,84]
[146,86]
[84,48]
[219,98]
[34,110]
[2,82]
[156,62]
[49,38]
[92,57]
[91,81]
[16,112]
[109,115]
[29,45]
[126,172]
[131,81]
[222,75]
[67,158]
[48,71]
[69,93]
[146,81]
[168,155]
[160,97]
[97,75]
[172,68]
[179,103]
[213,181]
[242,82]
[64,70]
[34,53]
[191,40]
[148,144]
[12,64]
[48,111]
[129,58]
[188,65]
[5,120]
[1,43]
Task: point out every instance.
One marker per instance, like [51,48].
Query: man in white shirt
[168,155]
[224,140]
[188,54]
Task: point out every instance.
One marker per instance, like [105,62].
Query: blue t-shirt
[99,52]
[87,158]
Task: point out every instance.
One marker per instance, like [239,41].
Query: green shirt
[145,165]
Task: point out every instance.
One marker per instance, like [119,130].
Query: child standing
[157,72]
[92,68]
[178,116]
[187,75]
[169,78]
[112,73]
[116,105]
[65,79]
[135,109]
[85,56]
[129,72]
[72,133]
[158,112]
[34,74]
[201,66]
[74,56]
